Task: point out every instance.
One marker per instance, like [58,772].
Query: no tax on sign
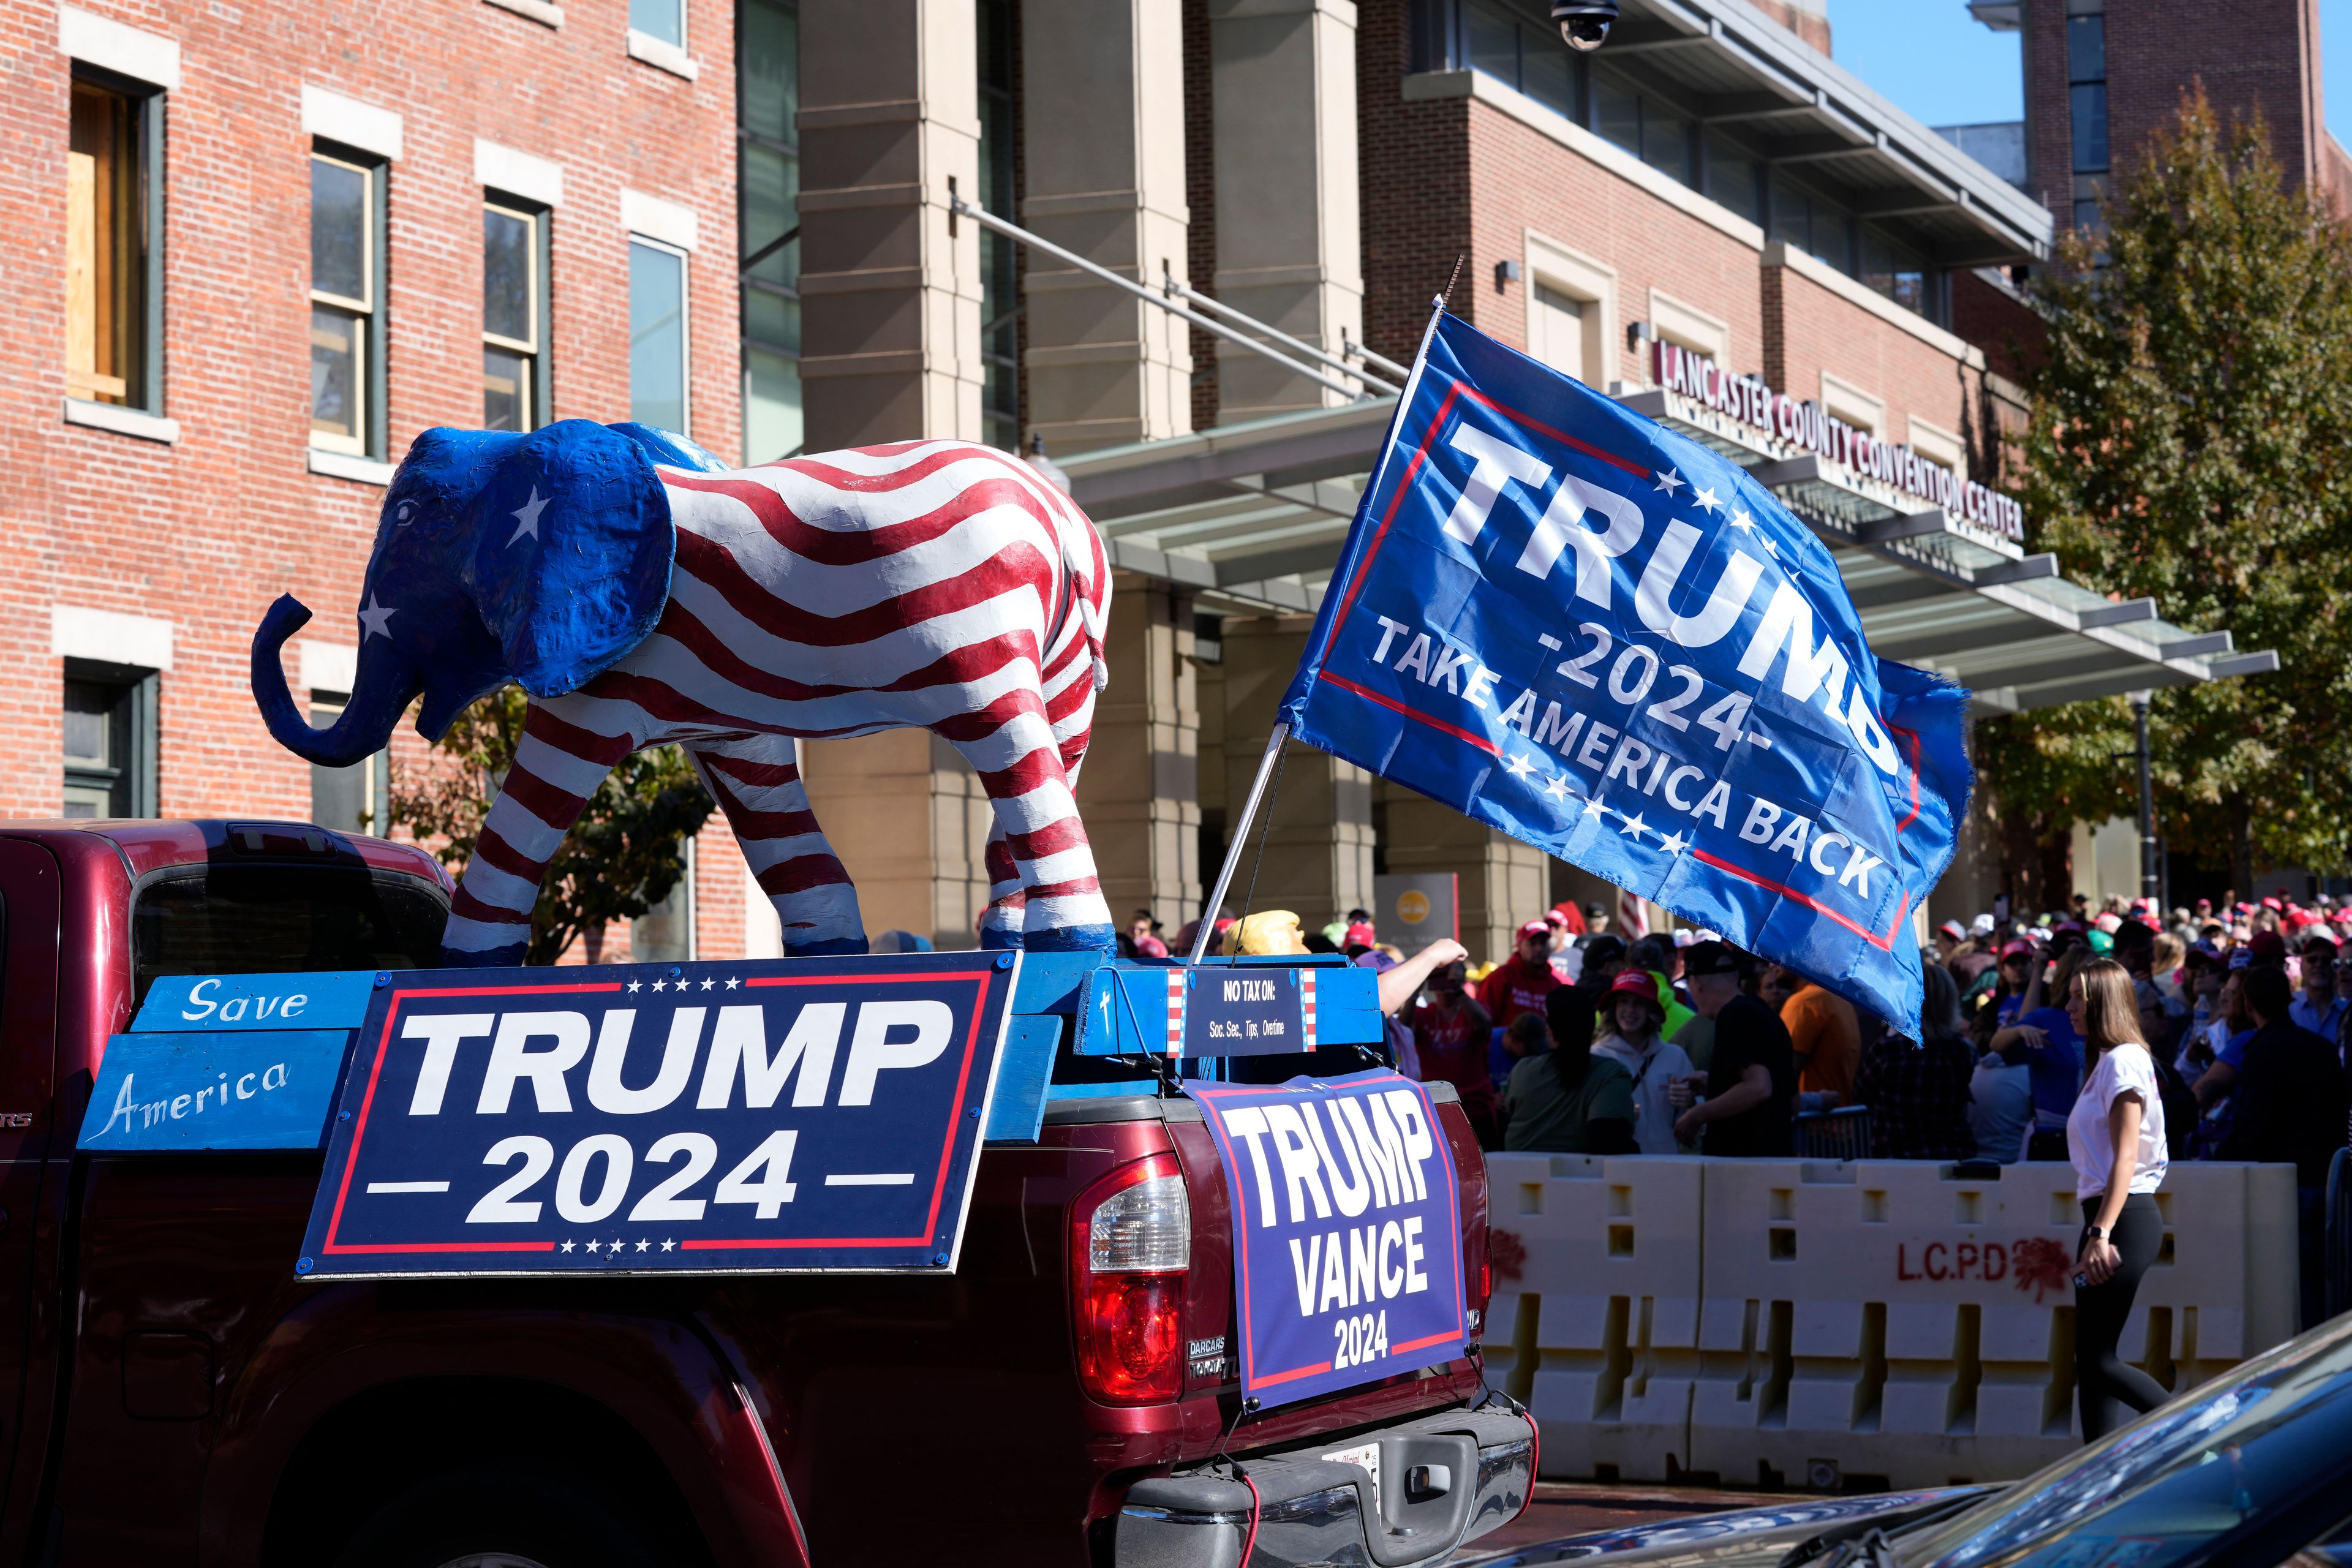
[820,1114]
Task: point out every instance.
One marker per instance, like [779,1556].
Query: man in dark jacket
[2291,1102]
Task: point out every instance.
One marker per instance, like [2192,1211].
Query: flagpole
[1239,838]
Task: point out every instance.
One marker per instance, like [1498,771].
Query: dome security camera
[1584,24]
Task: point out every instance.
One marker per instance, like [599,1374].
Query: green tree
[2191,424]
[623,855]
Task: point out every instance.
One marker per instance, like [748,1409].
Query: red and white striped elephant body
[938,584]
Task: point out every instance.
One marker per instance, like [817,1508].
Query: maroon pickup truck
[177,1396]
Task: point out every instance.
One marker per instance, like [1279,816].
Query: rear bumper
[1445,1479]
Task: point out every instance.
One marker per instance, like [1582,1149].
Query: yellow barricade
[1594,1320]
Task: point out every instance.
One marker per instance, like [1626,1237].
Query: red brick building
[2101,79]
[253,251]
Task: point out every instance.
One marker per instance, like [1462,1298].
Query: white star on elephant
[526,516]
[376,619]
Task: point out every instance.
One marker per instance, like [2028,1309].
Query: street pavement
[1573,1507]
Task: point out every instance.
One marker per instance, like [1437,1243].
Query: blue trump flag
[1613,644]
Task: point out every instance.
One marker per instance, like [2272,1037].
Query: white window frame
[1937,444]
[534,352]
[1686,326]
[1842,399]
[362,312]
[1593,283]
[685,326]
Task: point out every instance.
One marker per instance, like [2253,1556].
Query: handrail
[987,219]
[1171,285]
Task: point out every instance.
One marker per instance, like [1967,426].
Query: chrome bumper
[1445,1480]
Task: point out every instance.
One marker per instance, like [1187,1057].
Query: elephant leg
[756,779]
[1000,923]
[1020,766]
[557,767]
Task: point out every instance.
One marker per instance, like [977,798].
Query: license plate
[1368,1454]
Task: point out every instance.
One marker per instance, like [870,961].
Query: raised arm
[1401,985]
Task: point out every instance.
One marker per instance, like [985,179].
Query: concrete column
[910,823]
[1138,790]
[1318,855]
[1103,169]
[890,324]
[890,116]
[1501,881]
[1284,97]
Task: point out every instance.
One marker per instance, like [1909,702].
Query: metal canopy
[1728,65]
[1250,517]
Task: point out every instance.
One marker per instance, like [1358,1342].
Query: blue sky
[1942,66]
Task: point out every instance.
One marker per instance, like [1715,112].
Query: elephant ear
[573,545]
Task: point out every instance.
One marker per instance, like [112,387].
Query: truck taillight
[1130,1246]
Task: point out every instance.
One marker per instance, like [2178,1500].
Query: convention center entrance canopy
[1250,517]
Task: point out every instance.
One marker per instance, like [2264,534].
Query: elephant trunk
[384,686]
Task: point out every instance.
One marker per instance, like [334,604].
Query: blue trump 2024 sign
[713,1118]
[1610,643]
[1347,1230]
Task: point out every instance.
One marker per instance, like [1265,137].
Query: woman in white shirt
[2115,1137]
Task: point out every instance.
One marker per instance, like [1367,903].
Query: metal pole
[1236,841]
[2150,881]
[1169,285]
[987,219]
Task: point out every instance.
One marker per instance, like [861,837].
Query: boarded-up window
[105,271]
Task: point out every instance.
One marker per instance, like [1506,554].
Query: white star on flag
[660,986]
[667,1245]
[376,619]
[592,1246]
[1705,499]
[637,984]
[617,1246]
[1595,808]
[1558,788]
[1741,519]
[732,982]
[1519,767]
[526,516]
[1670,481]
[644,1246]
[1674,844]
[1634,827]
[1770,548]
[567,1247]
[708,983]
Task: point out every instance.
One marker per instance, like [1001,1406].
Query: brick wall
[2255,55]
[208,531]
[1414,188]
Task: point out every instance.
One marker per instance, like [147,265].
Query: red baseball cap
[1635,982]
[2018,949]
[1535,928]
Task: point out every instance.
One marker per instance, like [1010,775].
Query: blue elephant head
[540,559]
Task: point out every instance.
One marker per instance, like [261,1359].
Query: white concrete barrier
[1599,1331]
[1789,1322]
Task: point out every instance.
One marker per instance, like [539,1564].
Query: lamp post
[2149,880]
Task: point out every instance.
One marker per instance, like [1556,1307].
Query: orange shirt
[1826,1038]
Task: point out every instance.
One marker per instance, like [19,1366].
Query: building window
[347,326]
[1812,224]
[663,19]
[109,740]
[1521,52]
[514,316]
[1642,126]
[657,335]
[1735,178]
[353,799]
[1000,308]
[1895,270]
[113,225]
[2086,91]
[768,101]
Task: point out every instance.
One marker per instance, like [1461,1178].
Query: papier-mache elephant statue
[642,593]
